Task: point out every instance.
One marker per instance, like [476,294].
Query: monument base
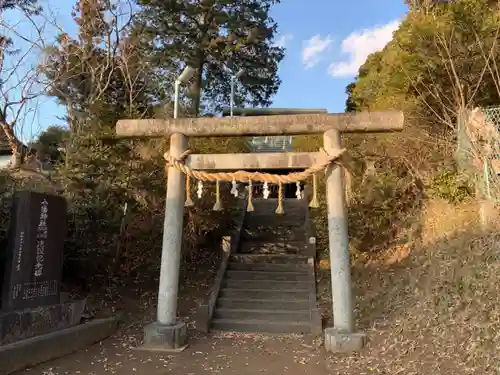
[342,342]
[23,324]
[30,352]
[165,338]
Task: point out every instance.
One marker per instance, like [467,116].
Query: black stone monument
[33,267]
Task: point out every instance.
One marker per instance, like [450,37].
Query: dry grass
[436,308]
[439,219]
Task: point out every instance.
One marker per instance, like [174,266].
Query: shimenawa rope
[244,176]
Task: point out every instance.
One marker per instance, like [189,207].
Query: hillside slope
[430,307]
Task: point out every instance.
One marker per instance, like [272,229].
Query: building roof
[271,111]
[271,144]
[5,147]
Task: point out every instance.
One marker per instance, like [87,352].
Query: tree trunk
[196,93]
[14,143]
[198,83]
[16,160]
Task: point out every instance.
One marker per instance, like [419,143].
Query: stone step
[266,284]
[266,233]
[290,202]
[268,258]
[291,208]
[277,247]
[264,315]
[264,326]
[271,205]
[274,268]
[269,228]
[272,304]
[282,295]
[266,221]
[293,221]
[290,216]
[267,276]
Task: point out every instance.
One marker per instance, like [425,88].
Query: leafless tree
[101,51]
[21,86]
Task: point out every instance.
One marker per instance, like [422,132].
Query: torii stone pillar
[166,332]
[341,337]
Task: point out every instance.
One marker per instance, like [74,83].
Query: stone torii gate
[167,333]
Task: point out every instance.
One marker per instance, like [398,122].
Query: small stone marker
[35,251]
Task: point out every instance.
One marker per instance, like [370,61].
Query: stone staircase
[269,284]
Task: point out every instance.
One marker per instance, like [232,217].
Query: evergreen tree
[218,38]
[49,143]
[440,61]
[28,6]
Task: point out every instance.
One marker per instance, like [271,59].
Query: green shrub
[451,186]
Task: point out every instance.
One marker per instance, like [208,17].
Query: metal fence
[492,114]
[478,150]
[270,144]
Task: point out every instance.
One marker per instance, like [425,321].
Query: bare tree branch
[20,82]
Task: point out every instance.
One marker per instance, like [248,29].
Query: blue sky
[326,42]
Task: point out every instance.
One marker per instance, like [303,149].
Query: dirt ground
[224,353]
[217,353]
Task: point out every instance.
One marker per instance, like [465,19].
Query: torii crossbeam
[353,122]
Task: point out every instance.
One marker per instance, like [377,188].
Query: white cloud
[283,39]
[313,48]
[358,45]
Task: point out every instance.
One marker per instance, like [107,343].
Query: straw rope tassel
[218,204]
[250,207]
[279,209]
[314,201]
[189,202]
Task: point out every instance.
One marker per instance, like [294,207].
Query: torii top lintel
[295,124]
